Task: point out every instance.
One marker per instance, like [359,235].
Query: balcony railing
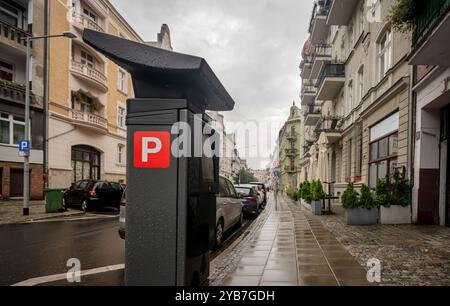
[322,50]
[291,152]
[13,33]
[329,124]
[290,169]
[89,72]
[430,12]
[13,92]
[87,22]
[330,70]
[312,110]
[89,119]
[321,8]
[291,137]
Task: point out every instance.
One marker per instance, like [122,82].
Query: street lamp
[26,164]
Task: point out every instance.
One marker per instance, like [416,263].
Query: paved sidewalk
[294,249]
[11,212]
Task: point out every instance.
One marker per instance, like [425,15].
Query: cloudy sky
[252,45]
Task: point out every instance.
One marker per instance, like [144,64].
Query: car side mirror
[72,187]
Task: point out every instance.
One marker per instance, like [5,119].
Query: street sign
[276,173]
[24,148]
[152,150]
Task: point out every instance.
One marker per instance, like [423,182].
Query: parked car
[89,194]
[250,199]
[123,203]
[230,210]
[262,187]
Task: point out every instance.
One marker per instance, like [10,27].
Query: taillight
[93,193]
[250,198]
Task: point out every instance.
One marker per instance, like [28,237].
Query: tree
[244,177]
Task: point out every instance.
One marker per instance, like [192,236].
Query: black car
[89,194]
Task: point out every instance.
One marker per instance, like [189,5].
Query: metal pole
[26,165]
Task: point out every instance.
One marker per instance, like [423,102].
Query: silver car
[230,210]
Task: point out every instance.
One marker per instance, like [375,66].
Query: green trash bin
[54,200]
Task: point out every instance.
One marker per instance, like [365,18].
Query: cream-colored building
[289,149]
[355,94]
[88,94]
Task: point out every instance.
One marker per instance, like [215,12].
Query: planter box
[395,215]
[361,216]
[316,208]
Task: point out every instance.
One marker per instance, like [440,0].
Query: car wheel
[241,219]
[84,206]
[219,234]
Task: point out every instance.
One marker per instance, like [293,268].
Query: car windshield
[243,191]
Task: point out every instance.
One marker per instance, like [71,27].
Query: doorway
[16,183]
[445,146]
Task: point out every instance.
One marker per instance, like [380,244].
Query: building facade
[88,94]
[20,19]
[355,94]
[289,149]
[431,114]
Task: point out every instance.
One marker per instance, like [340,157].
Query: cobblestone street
[335,253]
[410,254]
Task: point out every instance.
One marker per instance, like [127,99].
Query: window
[349,159]
[87,59]
[122,80]
[385,53]
[121,115]
[12,129]
[361,18]
[89,14]
[120,154]
[350,96]
[383,158]
[6,71]
[85,163]
[360,83]
[12,15]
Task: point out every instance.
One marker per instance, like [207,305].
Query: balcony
[91,75]
[291,152]
[312,115]
[81,22]
[309,92]
[330,81]
[321,55]
[13,36]
[13,92]
[318,25]
[89,120]
[341,12]
[430,38]
[331,127]
[305,67]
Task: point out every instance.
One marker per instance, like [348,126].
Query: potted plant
[317,195]
[359,209]
[305,191]
[393,198]
[404,13]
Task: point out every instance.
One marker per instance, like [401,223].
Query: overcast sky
[253,46]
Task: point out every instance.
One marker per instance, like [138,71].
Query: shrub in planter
[306,192]
[317,195]
[403,14]
[360,209]
[393,196]
[292,193]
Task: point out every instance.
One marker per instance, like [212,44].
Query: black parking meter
[171,203]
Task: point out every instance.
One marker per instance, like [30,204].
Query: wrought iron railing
[330,70]
[329,124]
[429,13]
[13,33]
[321,8]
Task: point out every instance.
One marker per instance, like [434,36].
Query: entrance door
[447,221]
[16,183]
[445,141]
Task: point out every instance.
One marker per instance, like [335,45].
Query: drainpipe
[411,131]
[46,89]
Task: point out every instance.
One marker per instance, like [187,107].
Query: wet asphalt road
[42,249]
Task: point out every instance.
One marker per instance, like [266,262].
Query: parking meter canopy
[159,73]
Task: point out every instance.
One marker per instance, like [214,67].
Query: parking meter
[171,197]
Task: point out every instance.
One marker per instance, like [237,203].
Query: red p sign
[152,150]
